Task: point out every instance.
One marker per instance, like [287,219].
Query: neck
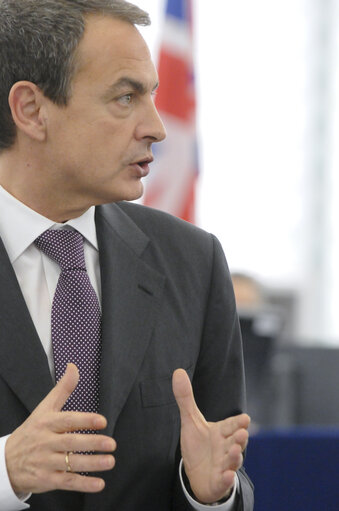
[27,182]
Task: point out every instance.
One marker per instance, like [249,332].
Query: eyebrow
[129,83]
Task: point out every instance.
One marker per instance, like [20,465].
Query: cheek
[110,145]
[92,141]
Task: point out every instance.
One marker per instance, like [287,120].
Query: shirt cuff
[8,499]
[229,505]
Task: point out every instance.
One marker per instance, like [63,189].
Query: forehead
[111,47]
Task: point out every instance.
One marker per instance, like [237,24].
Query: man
[77,125]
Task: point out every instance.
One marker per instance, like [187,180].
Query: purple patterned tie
[76,317]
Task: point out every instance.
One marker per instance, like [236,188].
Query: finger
[58,396]
[76,421]
[228,480]
[183,394]
[241,438]
[234,458]
[82,462]
[230,425]
[83,443]
[223,487]
[76,482]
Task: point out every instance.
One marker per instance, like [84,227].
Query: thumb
[57,397]
[183,394]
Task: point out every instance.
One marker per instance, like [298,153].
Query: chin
[130,193]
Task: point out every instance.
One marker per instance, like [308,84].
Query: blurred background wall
[268,136]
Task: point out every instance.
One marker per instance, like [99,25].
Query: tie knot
[65,246]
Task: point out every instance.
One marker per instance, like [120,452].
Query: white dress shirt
[38,275]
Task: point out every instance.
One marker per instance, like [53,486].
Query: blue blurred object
[295,469]
[176,8]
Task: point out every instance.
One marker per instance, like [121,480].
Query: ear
[26,102]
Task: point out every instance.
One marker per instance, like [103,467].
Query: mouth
[142,166]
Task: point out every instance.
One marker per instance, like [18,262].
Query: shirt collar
[21,225]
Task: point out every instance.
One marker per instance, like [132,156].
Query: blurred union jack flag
[171,184]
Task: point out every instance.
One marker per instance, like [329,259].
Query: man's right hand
[36,451]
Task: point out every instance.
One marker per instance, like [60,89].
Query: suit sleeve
[218,381]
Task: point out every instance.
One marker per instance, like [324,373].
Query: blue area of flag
[176,8]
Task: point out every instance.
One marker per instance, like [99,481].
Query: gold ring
[68,464]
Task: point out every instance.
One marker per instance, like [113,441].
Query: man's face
[97,146]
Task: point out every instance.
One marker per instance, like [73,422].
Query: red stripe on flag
[175,92]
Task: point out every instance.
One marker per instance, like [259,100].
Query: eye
[126,99]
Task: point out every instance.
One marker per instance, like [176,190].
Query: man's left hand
[211,451]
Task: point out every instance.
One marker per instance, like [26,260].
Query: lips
[143,161]
[142,166]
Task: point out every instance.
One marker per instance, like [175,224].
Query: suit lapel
[23,362]
[131,294]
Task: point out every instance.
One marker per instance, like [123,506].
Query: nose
[150,126]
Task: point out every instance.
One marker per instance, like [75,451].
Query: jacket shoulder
[154,222]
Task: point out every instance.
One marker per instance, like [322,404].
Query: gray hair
[38,43]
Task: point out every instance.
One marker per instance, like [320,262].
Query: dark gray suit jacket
[167,302]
